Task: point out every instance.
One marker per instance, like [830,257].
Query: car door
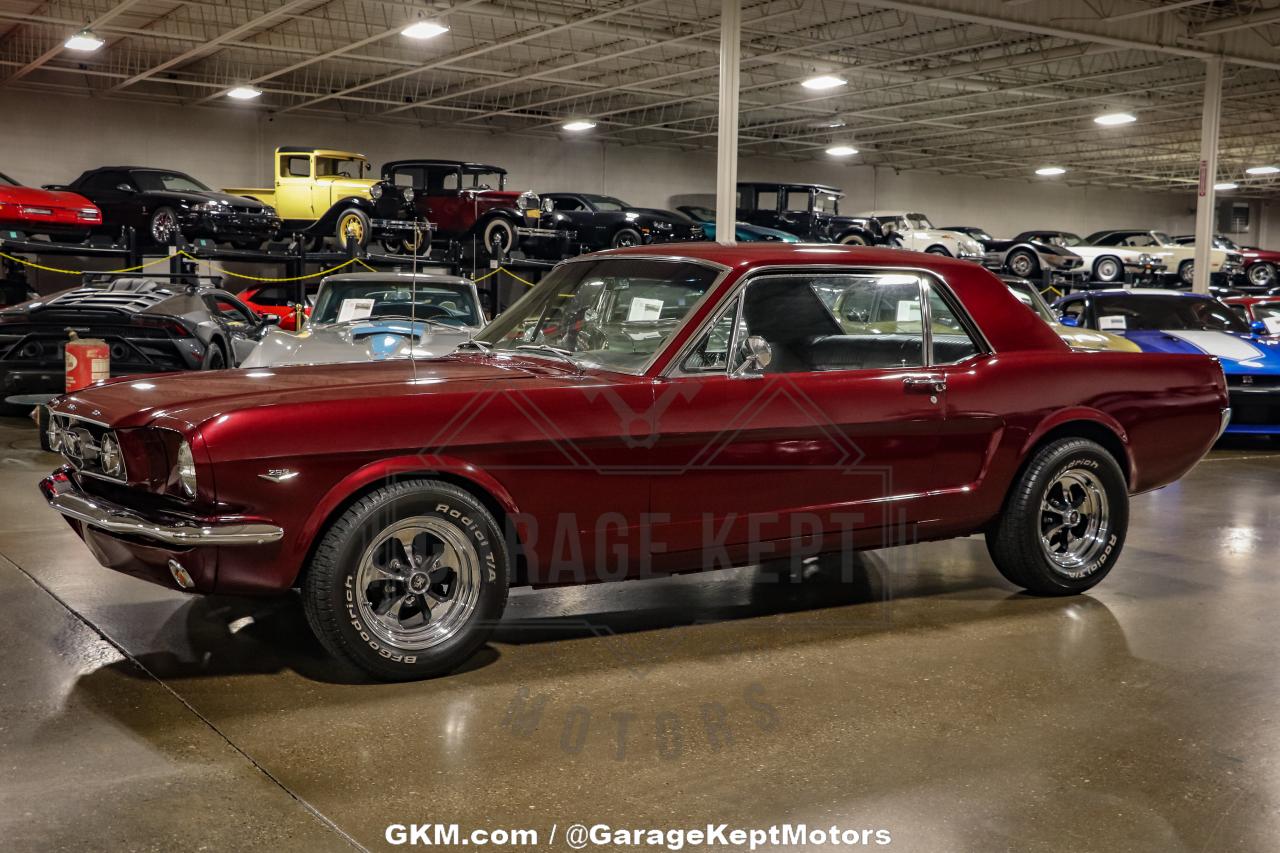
[120,208]
[585,220]
[835,439]
[294,197]
[242,326]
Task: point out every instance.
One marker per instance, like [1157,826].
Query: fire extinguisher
[88,361]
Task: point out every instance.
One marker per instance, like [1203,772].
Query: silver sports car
[371,316]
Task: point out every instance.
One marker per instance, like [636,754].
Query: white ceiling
[993,88]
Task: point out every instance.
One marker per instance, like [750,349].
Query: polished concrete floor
[927,698]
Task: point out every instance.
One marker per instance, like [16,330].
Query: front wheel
[499,238]
[1108,270]
[937,250]
[626,237]
[1187,273]
[853,240]
[1023,264]
[409,582]
[163,226]
[1261,274]
[353,228]
[1064,521]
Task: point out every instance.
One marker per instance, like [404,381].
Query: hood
[508,196]
[209,195]
[44,198]
[195,397]
[1238,353]
[370,340]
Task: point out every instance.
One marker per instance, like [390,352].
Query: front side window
[711,355]
[230,310]
[767,200]
[919,221]
[613,313]
[799,201]
[604,202]
[825,202]
[952,342]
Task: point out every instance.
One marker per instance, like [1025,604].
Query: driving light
[1112,119]
[842,150]
[109,457]
[825,81]
[1226,186]
[244,93]
[424,30]
[186,469]
[407,192]
[53,435]
[1048,171]
[1263,170]
[84,41]
[578,126]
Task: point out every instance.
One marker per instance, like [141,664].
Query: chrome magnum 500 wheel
[409,582]
[1064,521]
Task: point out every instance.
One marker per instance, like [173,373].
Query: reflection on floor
[924,696]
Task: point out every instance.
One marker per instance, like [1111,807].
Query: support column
[727,149]
[1208,171]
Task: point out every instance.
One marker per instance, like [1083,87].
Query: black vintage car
[809,211]
[152,324]
[604,222]
[472,209]
[162,203]
[1024,256]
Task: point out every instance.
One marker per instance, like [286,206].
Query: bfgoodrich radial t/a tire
[1064,521]
[409,582]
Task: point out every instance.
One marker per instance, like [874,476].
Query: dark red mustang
[52,213]
[638,412]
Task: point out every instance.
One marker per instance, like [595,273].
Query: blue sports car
[743,232]
[1177,321]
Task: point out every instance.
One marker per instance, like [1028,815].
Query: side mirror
[1258,327]
[1070,320]
[757,356]
[125,188]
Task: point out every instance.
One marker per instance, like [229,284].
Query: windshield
[5,179]
[1030,297]
[979,234]
[488,180]
[335,167]
[1266,311]
[1147,312]
[1162,239]
[612,312]
[1226,243]
[604,202]
[345,301]
[151,182]
[1065,238]
[701,214]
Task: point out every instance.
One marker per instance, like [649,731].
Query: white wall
[51,139]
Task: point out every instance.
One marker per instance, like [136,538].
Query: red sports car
[276,299]
[1258,309]
[638,412]
[53,213]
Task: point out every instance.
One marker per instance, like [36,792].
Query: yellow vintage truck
[321,192]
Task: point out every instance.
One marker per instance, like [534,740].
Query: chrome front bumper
[65,496]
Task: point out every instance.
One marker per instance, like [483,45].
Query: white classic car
[918,234]
[1106,264]
[1179,259]
[371,316]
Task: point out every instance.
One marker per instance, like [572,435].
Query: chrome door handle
[925,384]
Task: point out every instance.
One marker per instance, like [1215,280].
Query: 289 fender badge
[278,475]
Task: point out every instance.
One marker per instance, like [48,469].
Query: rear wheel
[1261,274]
[216,359]
[937,250]
[409,582]
[163,226]
[853,240]
[1064,521]
[626,237]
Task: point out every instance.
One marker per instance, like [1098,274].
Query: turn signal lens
[186,469]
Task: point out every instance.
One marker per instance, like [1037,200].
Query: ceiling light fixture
[424,30]
[1228,185]
[1049,171]
[578,126]
[1112,119]
[825,81]
[842,150]
[244,93]
[1262,170]
[84,41]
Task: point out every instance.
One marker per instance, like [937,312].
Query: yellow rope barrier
[82,272]
[525,282]
[225,271]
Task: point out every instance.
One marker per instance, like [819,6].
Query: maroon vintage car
[470,206]
[637,413]
[51,213]
[1260,265]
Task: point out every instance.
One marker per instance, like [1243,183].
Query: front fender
[330,218]
[425,464]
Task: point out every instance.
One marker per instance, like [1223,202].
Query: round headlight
[109,457]
[548,205]
[375,191]
[186,469]
[408,193]
[53,435]
[526,200]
